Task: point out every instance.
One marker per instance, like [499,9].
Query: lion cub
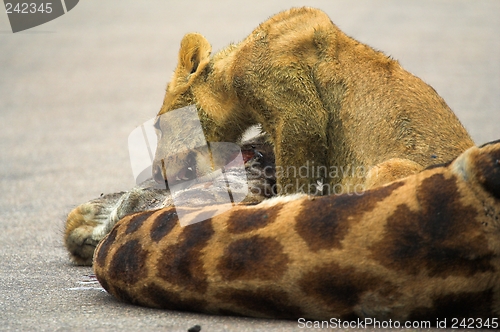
[333,107]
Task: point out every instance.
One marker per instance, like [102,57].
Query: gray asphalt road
[71,91]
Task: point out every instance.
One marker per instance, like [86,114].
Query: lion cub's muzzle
[166,172]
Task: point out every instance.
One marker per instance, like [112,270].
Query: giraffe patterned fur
[424,247]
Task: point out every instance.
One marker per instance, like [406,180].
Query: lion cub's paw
[80,236]
[88,223]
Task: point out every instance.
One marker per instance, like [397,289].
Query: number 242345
[28,8]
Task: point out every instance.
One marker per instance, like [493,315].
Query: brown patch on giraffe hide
[104,284]
[182,263]
[253,258]
[488,171]
[350,316]
[165,299]
[341,288]
[104,247]
[266,301]
[324,222]
[123,295]
[242,221]
[163,224]
[129,263]
[136,221]
[457,305]
[441,237]
[227,312]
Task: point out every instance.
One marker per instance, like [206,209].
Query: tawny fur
[324,99]
[424,247]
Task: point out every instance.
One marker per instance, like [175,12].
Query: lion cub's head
[182,152]
[182,143]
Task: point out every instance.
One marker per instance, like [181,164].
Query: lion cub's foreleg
[299,134]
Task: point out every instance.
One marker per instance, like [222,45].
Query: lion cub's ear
[195,51]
